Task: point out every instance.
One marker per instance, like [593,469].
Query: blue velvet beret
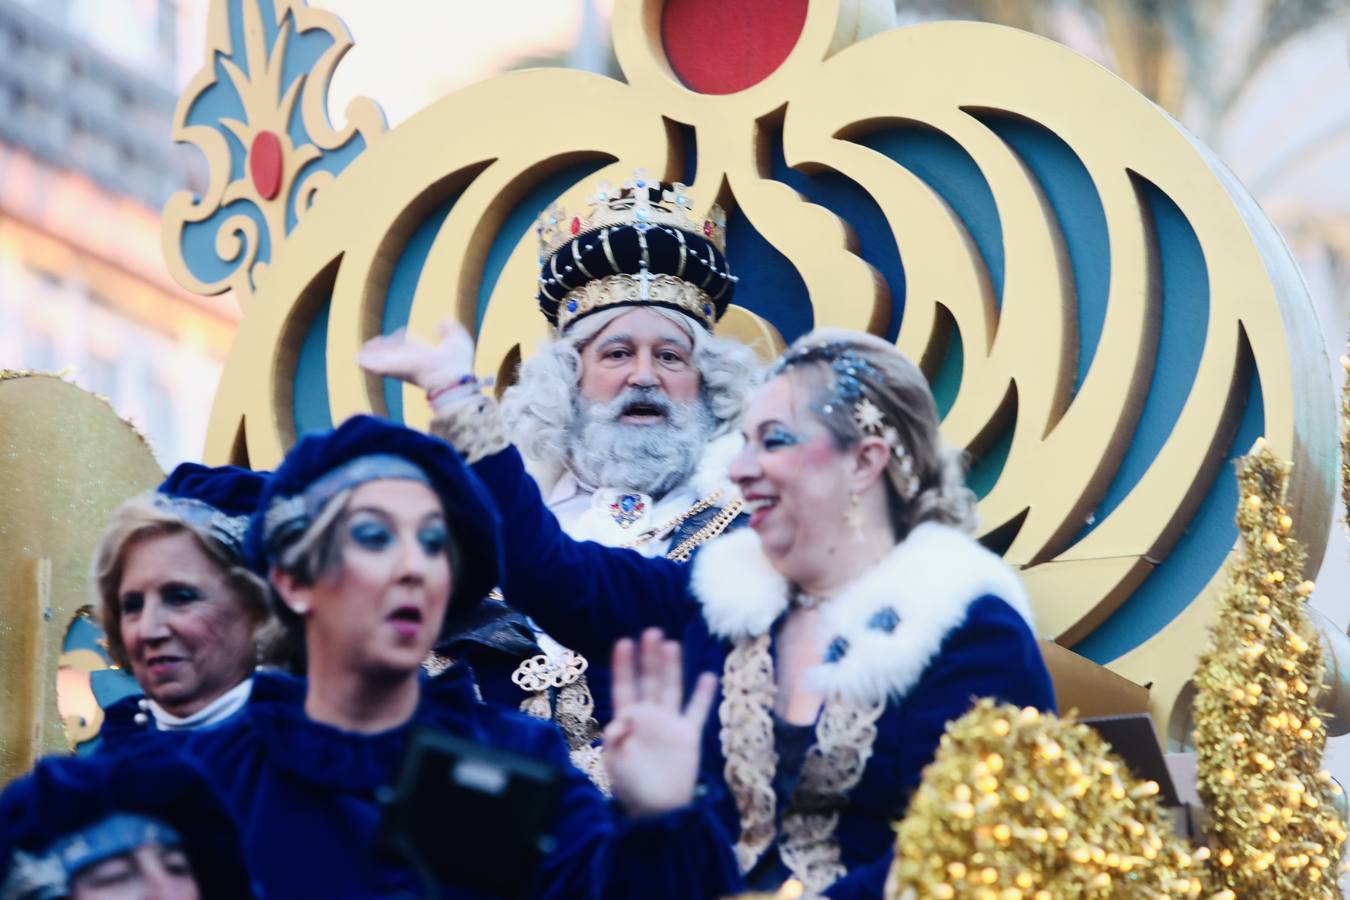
[218,501]
[70,813]
[230,489]
[367,448]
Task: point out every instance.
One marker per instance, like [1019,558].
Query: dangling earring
[854,517]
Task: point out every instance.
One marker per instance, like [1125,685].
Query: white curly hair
[540,409]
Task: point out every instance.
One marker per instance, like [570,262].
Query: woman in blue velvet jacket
[850,623]
[377,539]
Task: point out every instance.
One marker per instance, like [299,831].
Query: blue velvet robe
[122,725]
[587,596]
[304,797]
[497,639]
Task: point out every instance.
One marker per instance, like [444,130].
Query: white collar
[218,710]
[928,582]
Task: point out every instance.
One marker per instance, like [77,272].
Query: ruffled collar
[885,627]
[332,758]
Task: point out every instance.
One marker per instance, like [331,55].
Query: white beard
[649,459]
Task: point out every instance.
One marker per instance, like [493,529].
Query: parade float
[1106,317]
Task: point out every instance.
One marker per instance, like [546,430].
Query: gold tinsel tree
[1274,829]
[1345,438]
[1019,805]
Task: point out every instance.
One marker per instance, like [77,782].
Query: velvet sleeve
[864,882]
[602,853]
[993,654]
[584,594]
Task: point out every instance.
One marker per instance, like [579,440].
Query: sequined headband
[289,515]
[852,374]
[226,529]
[48,874]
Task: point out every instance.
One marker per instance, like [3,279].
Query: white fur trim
[711,474]
[930,580]
[742,594]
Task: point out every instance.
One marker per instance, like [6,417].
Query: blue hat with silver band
[74,813]
[215,501]
[365,448]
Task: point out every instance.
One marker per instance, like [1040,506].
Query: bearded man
[627,420]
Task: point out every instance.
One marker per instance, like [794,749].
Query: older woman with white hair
[851,621]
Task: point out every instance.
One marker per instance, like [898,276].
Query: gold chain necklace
[716,525]
[694,510]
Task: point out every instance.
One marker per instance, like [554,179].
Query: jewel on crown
[641,203]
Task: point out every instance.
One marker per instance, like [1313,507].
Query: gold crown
[641,203]
[631,290]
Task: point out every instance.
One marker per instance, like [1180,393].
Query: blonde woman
[180,609]
[850,622]
[376,540]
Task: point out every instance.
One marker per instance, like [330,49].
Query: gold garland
[1019,804]
[1259,739]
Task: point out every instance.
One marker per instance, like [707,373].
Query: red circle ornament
[725,46]
[264,164]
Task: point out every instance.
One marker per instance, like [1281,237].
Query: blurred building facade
[87,93]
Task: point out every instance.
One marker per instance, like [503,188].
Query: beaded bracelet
[437,392]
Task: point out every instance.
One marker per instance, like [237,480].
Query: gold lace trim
[572,710]
[748,745]
[845,735]
[473,427]
[666,528]
[714,526]
[834,764]
[435,663]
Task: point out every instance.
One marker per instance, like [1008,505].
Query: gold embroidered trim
[538,706]
[591,761]
[435,663]
[715,526]
[574,712]
[572,709]
[540,672]
[845,736]
[667,527]
[748,745]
